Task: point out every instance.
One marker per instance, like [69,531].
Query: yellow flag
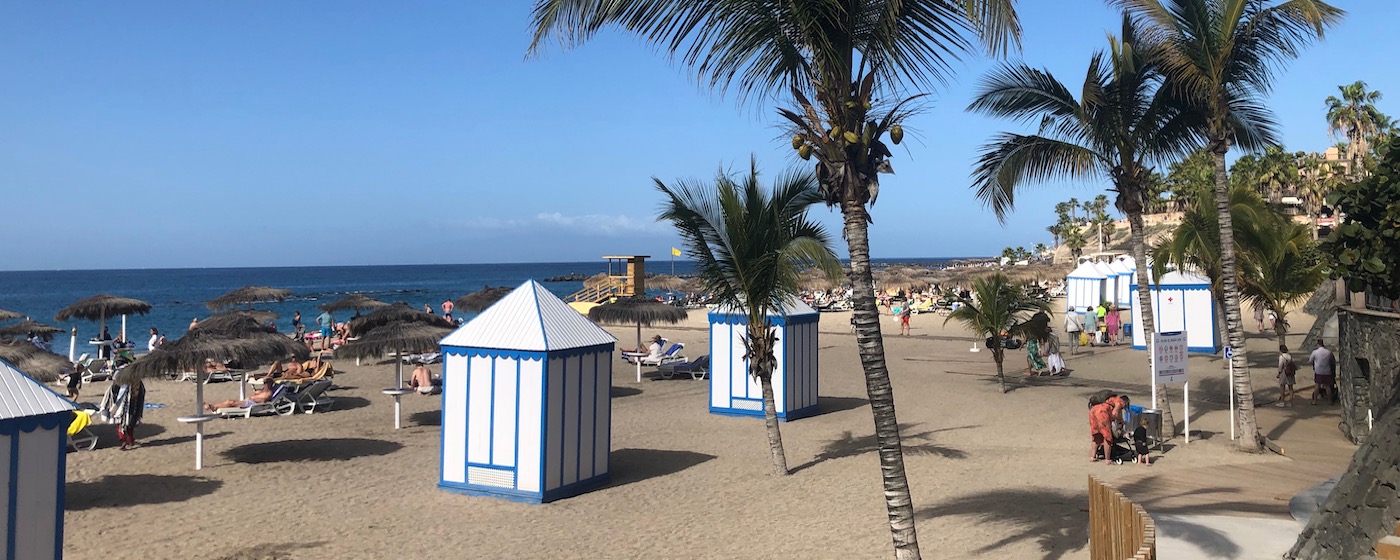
[675,252]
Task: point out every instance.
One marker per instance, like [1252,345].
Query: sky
[179,134]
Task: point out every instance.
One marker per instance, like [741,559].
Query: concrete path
[1213,537]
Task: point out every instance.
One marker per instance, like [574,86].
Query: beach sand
[992,475]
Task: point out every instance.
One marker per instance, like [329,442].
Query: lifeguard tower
[626,278]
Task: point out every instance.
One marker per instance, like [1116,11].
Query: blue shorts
[325,332]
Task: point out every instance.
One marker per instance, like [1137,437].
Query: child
[1140,442]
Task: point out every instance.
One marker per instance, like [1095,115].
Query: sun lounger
[80,436]
[696,369]
[424,358]
[312,397]
[279,405]
[671,355]
[94,370]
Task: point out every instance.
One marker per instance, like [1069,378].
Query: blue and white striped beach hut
[33,457]
[1084,287]
[1181,302]
[526,400]
[795,381]
[1110,282]
[1123,280]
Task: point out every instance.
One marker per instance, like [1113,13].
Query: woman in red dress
[1101,430]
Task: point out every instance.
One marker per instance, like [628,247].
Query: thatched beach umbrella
[642,312]
[394,339]
[358,302]
[40,364]
[396,313]
[26,328]
[101,306]
[240,338]
[7,315]
[667,282]
[234,321]
[248,295]
[476,302]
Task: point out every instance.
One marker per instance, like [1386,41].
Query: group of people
[1109,417]
[1100,325]
[1324,365]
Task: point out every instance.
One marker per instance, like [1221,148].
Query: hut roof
[1086,270]
[21,395]
[529,318]
[793,307]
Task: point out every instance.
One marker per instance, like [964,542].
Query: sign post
[1169,366]
[1230,365]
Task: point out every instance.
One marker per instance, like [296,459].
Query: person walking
[1101,313]
[1073,326]
[904,313]
[1324,365]
[123,405]
[1287,377]
[1091,325]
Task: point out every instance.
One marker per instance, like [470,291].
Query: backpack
[1290,368]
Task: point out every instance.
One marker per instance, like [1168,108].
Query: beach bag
[1057,363]
[1083,338]
[1290,369]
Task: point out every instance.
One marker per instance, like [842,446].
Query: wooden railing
[599,293]
[1118,528]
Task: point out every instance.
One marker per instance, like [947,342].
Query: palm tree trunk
[1149,322]
[1234,325]
[1001,375]
[871,346]
[770,420]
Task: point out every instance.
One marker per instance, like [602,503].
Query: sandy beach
[993,475]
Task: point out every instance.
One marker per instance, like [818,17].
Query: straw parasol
[642,312]
[392,330]
[358,302]
[100,307]
[26,328]
[231,320]
[42,365]
[248,295]
[7,315]
[239,338]
[667,282]
[399,312]
[599,279]
[815,279]
[477,302]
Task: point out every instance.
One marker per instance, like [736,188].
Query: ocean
[178,295]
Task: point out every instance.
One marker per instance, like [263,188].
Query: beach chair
[632,357]
[671,355]
[696,369]
[312,398]
[80,436]
[94,370]
[279,405]
[321,373]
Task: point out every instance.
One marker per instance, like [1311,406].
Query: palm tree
[844,65]
[997,308]
[1221,57]
[1355,117]
[749,248]
[1075,240]
[1122,124]
[1287,270]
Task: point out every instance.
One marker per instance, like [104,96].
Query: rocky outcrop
[1368,367]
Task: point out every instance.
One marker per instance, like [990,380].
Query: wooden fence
[1118,528]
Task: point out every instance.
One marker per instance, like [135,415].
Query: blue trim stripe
[515,461]
[442,430]
[543,435]
[62,481]
[10,529]
[524,354]
[491,419]
[578,424]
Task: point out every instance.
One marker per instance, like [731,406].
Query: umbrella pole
[72,344]
[199,426]
[123,327]
[398,383]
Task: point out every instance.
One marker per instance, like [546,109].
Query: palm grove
[1182,84]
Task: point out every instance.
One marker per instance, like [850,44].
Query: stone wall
[1368,366]
[1364,506]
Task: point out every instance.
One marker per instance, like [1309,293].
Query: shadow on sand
[122,490]
[1054,519]
[635,465]
[297,450]
[914,443]
[347,403]
[426,418]
[107,433]
[619,392]
[177,440]
[271,551]
[828,405]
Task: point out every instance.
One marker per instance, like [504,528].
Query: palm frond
[1012,160]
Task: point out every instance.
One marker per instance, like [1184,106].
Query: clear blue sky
[179,134]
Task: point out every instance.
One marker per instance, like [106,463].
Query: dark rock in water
[573,277]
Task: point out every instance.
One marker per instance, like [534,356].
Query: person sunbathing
[294,370]
[422,381]
[273,371]
[259,396]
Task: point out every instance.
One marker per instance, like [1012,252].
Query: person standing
[123,405]
[1324,365]
[447,310]
[1111,323]
[156,340]
[327,322]
[1091,325]
[904,313]
[1052,353]
[1287,377]
[1073,326]
[296,322]
[1101,313]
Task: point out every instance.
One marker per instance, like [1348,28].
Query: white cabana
[33,458]
[1181,301]
[1084,287]
[1110,282]
[795,382]
[526,400]
[1123,280]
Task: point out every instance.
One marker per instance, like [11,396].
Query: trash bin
[1154,423]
